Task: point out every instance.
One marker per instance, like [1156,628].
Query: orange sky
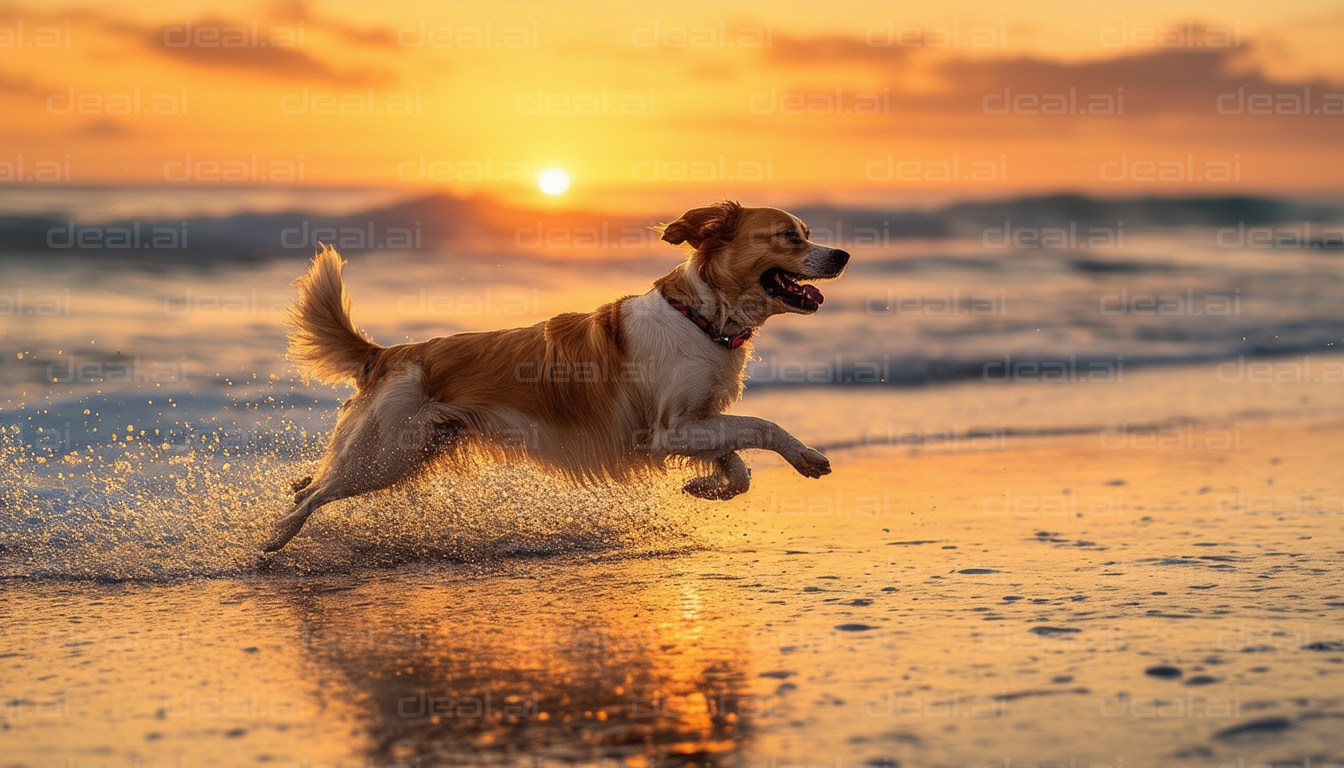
[650,104]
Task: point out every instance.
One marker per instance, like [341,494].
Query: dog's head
[755,259]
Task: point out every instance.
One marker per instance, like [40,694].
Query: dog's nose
[839,258]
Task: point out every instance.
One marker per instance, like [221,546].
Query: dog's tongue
[811,292]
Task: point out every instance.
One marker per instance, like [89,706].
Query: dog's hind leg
[380,440]
[289,526]
[325,490]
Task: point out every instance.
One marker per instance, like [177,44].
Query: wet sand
[1024,602]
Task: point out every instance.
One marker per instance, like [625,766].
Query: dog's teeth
[786,282]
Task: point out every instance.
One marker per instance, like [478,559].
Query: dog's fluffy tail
[322,338]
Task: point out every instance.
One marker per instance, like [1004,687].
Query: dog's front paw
[812,463]
[712,488]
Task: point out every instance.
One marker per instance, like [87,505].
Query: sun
[553,181]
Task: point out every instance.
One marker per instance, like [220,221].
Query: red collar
[701,322]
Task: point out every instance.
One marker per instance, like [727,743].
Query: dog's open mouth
[785,287]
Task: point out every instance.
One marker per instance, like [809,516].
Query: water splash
[154,512]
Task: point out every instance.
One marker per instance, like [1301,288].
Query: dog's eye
[792,236]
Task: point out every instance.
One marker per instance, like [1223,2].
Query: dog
[597,397]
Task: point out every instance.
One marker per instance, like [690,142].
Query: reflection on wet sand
[622,674]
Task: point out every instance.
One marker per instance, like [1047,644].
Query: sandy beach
[1040,601]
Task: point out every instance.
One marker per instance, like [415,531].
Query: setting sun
[553,181]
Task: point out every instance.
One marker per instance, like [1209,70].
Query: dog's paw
[285,529]
[812,463]
[302,487]
[712,488]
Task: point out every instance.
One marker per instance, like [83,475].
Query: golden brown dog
[597,397]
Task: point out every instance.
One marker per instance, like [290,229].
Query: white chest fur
[681,370]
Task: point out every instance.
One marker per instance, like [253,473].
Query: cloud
[249,55]
[103,129]
[831,50]
[1182,81]
[298,11]
[238,46]
[1181,86]
[375,37]
[20,85]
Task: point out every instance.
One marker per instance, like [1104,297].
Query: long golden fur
[597,397]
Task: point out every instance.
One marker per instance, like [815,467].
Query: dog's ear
[705,228]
